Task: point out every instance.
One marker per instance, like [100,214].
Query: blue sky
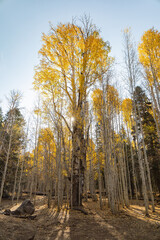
[23,21]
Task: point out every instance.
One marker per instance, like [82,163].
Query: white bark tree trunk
[15,181]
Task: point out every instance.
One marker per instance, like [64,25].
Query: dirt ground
[49,224]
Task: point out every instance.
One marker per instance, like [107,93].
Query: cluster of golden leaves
[149,54]
[70,61]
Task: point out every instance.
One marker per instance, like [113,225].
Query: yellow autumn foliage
[149,54]
[70,62]
[112,101]
[127,111]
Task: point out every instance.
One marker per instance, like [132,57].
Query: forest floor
[49,224]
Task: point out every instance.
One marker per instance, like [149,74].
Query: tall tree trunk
[15,181]
[140,160]
[99,181]
[128,171]
[133,167]
[78,154]
[20,179]
[132,66]
[91,174]
[6,165]
[78,169]
[147,165]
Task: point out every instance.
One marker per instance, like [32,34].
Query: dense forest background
[84,139]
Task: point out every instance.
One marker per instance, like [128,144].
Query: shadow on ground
[75,225]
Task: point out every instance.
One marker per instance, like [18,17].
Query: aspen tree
[127,112]
[122,164]
[20,178]
[15,180]
[128,170]
[132,68]
[33,185]
[71,59]
[149,55]
[106,104]
[98,155]
[23,161]
[59,171]
[91,173]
